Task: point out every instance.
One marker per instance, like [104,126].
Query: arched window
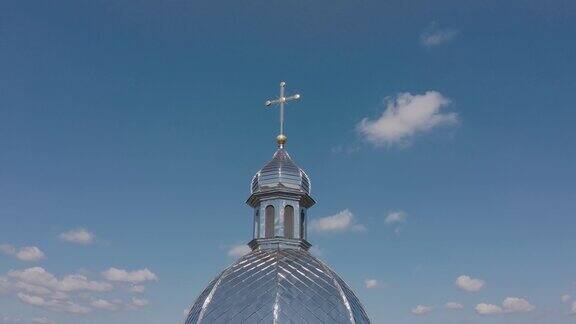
[289,221]
[269,221]
[302,224]
[257,223]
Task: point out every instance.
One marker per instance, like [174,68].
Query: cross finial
[281,139]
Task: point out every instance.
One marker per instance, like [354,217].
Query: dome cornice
[280,193]
[279,243]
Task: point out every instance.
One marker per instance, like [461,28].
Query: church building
[279,281]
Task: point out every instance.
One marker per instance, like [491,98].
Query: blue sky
[130,130]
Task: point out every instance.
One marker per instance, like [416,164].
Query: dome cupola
[281,173]
[280,196]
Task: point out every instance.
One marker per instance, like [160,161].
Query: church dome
[278,286]
[281,173]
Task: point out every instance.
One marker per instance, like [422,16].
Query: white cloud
[104,305]
[421,310]
[78,236]
[434,36]
[395,217]
[71,307]
[32,300]
[30,288]
[469,284]
[30,253]
[239,250]
[371,283]
[340,222]
[515,305]
[565,298]
[72,293]
[27,253]
[39,277]
[405,116]
[316,251]
[42,320]
[137,289]
[79,282]
[137,276]
[139,302]
[53,304]
[453,305]
[573,308]
[488,309]
[35,275]
[7,249]
[509,305]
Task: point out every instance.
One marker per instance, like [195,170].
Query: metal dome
[277,286]
[281,172]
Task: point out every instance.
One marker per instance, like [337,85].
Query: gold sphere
[281,139]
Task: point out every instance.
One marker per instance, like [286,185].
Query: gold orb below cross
[281,139]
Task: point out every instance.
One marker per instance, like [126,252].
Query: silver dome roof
[281,172]
[277,286]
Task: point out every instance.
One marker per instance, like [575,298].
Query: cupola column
[279,218]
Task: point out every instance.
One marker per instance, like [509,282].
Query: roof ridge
[340,290]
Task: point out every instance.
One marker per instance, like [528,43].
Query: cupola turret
[280,198]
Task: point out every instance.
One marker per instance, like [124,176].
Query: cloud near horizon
[395,217]
[509,305]
[405,116]
[340,222]
[78,236]
[136,276]
[238,250]
[453,305]
[104,304]
[39,288]
[34,279]
[26,253]
[371,283]
[72,293]
[421,310]
[469,284]
[139,302]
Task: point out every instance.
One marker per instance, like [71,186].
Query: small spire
[282,99]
